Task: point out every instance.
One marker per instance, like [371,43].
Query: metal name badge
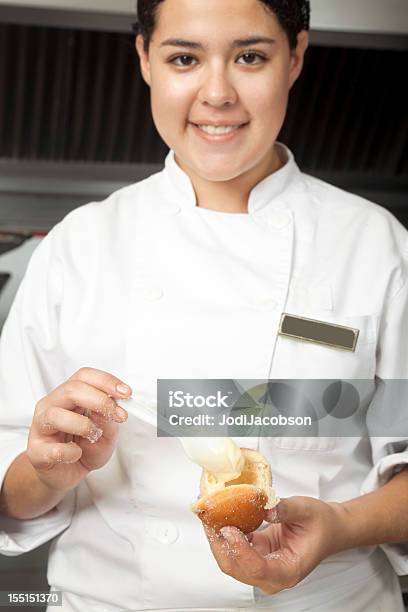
[319,332]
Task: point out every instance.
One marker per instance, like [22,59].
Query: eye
[184,59]
[251,55]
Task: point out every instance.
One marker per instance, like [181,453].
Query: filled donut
[242,502]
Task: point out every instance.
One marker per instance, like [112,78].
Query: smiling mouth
[213,130]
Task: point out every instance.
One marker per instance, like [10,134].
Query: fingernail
[228,535]
[123,389]
[212,534]
[94,435]
[273,516]
[121,414]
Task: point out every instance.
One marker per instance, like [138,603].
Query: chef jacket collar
[272,190]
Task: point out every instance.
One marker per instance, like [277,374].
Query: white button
[167,534]
[279,219]
[153,293]
[162,531]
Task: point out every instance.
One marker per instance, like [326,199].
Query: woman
[186,275]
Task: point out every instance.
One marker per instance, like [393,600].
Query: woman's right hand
[75,428]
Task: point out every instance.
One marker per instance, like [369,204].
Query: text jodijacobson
[239,420]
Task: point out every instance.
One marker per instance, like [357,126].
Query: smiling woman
[219,100]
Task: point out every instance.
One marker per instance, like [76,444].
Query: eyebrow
[243,42]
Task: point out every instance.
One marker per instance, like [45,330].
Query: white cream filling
[217,455]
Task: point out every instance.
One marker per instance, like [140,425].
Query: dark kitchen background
[75,125]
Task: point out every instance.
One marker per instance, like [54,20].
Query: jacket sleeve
[386,415]
[30,367]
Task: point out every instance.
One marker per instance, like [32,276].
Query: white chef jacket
[148,285]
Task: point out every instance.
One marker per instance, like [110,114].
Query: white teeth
[224,129]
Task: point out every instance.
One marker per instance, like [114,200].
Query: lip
[218,137]
[219,123]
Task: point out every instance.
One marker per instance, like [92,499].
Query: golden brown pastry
[242,502]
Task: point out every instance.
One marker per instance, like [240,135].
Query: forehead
[204,17]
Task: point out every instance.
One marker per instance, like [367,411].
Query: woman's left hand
[303,532]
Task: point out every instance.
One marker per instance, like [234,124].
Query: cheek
[170,100]
[268,107]
[266,98]
[171,85]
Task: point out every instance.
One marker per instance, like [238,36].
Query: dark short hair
[293,16]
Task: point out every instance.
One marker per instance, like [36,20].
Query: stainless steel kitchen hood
[76,121]
[371,19]
[346,16]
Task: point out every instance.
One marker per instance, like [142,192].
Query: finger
[291,510]
[283,570]
[261,541]
[272,573]
[109,428]
[104,381]
[250,565]
[56,419]
[220,549]
[74,393]
[44,456]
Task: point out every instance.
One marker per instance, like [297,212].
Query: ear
[144,59]
[298,56]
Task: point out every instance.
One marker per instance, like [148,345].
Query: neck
[232,196]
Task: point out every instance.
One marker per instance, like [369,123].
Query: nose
[217,89]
